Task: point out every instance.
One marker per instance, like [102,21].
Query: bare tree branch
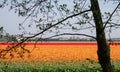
[20,43]
[111,16]
[72,34]
[112,24]
[57,23]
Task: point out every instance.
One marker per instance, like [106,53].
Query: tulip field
[60,57]
[72,51]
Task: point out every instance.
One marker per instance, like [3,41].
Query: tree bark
[103,49]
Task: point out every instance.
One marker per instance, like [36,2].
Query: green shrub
[53,67]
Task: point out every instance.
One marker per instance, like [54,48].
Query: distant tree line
[15,38]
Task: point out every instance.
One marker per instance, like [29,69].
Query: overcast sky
[10,21]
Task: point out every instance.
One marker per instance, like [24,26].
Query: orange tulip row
[58,52]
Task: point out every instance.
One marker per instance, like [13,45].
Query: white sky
[10,21]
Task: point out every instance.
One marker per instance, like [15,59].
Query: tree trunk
[103,49]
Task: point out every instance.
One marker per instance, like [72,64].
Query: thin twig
[71,34]
[111,16]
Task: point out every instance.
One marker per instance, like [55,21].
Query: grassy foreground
[62,66]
